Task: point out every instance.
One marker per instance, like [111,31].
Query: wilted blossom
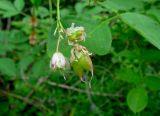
[75,34]
[58,61]
[33,38]
[33,21]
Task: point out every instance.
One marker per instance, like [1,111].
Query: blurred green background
[123,36]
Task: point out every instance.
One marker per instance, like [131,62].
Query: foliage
[123,36]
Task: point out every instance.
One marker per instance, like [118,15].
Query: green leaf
[42,12]
[36,3]
[99,38]
[7,67]
[10,13]
[153,82]
[80,6]
[137,99]
[6,5]
[128,75]
[4,41]
[17,37]
[19,4]
[155,13]
[124,5]
[25,62]
[145,26]
[8,8]
[40,67]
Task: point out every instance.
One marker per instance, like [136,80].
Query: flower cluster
[80,60]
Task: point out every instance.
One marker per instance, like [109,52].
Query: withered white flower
[58,61]
[75,34]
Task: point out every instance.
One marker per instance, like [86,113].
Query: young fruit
[81,61]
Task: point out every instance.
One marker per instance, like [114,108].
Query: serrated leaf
[7,67]
[19,4]
[6,5]
[8,8]
[137,99]
[145,26]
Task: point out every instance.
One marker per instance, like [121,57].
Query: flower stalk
[80,60]
[59,26]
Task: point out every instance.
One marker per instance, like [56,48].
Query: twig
[83,91]
[39,82]
[31,102]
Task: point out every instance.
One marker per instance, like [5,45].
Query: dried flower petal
[75,34]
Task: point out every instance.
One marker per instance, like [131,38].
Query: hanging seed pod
[77,69]
[33,38]
[75,34]
[81,61]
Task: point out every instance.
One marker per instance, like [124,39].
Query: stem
[59,25]
[58,13]
[50,10]
[102,23]
[63,86]
[58,42]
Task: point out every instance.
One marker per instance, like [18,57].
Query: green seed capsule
[86,63]
[77,69]
[81,61]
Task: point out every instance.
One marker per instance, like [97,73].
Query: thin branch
[83,91]
[39,82]
[28,101]
[50,10]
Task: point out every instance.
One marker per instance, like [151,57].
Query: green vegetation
[123,37]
